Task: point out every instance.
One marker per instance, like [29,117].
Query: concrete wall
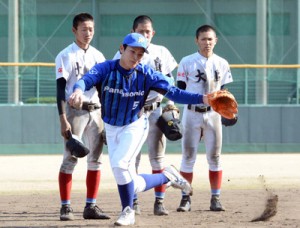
[29,129]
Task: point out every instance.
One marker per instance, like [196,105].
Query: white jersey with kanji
[203,75]
[72,63]
[160,59]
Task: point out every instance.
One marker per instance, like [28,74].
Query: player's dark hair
[140,20]
[205,28]
[82,17]
[125,46]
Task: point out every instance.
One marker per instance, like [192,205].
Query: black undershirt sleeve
[60,95]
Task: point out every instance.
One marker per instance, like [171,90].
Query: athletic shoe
[159,208]
[136,207]
[66,213]
[127,217]
[185,204]
[177,181]
[215,204]
[94,212]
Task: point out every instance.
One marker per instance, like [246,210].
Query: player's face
[84,33]
[146,30]
[206,42]
[131,56]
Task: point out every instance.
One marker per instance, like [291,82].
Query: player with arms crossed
[160,59]
[123,86]
[71,64]
[202,72]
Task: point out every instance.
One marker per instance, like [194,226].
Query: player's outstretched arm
[183,97]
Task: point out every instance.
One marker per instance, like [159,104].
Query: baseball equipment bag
[169,123]
[224,103]
[76,146]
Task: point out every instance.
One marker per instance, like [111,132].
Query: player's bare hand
[65,126]
[76,99]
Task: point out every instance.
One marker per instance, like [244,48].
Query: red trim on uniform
[92,183]
[187,176]
[65,186]
[215,179]
[161,188]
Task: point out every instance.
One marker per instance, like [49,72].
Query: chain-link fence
[249,32]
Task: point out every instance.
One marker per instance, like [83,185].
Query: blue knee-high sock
[126,193]
[153,180]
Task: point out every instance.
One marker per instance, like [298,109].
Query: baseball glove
[229,122]
[169,123]
[76,146]
[224,103]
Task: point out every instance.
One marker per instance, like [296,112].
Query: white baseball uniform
[202,75]
[72,63]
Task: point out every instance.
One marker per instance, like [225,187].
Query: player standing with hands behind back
[71,64]
[160,59]
[202,72]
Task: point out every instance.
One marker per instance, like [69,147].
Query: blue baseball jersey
[122,92]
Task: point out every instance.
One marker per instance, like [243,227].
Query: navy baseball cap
[136,40]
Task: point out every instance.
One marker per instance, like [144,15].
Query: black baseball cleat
[94,212]
[66,213]
[159,208]
[185,204]
[215,204]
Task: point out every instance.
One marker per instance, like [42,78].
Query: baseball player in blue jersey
[123,86]
[71,64]
[160,59]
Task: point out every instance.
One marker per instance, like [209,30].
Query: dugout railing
[34,83]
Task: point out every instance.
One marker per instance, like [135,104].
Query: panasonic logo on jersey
[120,91]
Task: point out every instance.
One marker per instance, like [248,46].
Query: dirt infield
[29,193]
